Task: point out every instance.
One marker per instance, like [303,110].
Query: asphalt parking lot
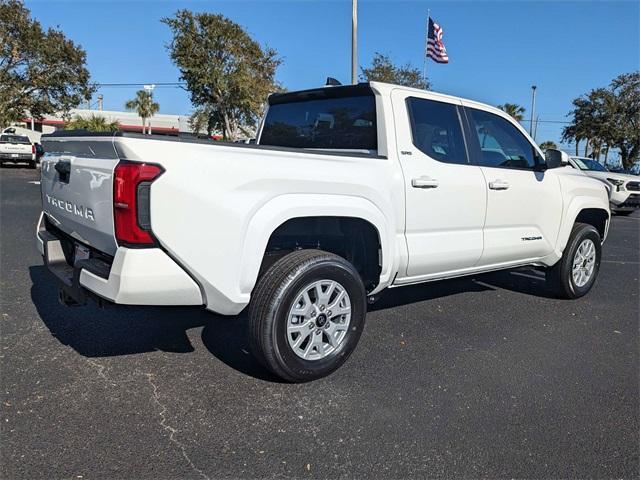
[479,377]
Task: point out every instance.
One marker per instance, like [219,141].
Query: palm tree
[513,109]
[94,123]
[547,145]
[144,105]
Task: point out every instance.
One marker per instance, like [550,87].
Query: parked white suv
[624,190]
[348,191]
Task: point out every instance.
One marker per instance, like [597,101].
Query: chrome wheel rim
[318,320]
[584,263]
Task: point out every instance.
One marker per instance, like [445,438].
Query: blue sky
[497,49]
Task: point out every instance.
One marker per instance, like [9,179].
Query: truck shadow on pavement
[524,280]
[125,330]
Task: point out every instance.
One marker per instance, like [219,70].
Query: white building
[161,124]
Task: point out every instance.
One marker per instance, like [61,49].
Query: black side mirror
[555,158]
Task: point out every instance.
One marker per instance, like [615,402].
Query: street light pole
[354,41]
[533,108]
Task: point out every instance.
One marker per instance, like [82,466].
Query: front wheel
[576,272]
[306,315]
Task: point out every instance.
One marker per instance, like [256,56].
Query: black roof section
[358,90]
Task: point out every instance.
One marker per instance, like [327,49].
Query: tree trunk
[143,125]
[586,147]
[606,155]
[577,145]
[227,134]
[628,157]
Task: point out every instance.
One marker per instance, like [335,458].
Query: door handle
[424,182]
[498,185]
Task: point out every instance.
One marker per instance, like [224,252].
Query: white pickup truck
[17,149]
[348,191]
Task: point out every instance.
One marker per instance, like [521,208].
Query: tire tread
[267,292]
[556,275]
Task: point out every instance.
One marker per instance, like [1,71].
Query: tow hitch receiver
[67,300]
[71,292]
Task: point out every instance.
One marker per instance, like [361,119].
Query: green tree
[547,145]
[41,71]
[513,109]
[608,118]
[199,122]
[228,74]
[577,131]
[382,69]
[624,120]
[144,105]
[94,123]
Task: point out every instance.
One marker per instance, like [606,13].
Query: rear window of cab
[15,139]
[334,118]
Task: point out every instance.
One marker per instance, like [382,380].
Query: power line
[157,84]
[547,121]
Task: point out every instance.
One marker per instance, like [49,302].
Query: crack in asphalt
[172,431]
[101,368]
[163,410]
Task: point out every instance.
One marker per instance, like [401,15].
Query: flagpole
[426,40]
[354,41]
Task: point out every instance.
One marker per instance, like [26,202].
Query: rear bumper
[136,277]
[21,157]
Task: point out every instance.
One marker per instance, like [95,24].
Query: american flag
[435,47]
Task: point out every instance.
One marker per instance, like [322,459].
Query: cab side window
[436,130]
[501,144]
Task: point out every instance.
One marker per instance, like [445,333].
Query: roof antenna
[332,82]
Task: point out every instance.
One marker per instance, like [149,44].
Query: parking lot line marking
[35,182]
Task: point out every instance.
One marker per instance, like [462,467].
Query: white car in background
[624,189]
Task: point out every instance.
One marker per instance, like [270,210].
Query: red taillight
[33,148]
[131,184]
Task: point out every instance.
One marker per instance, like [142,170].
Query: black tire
[272,299]
[559,277]
[32,164]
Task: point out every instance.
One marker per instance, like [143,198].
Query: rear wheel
[306,315]
[576,272]
[32,164]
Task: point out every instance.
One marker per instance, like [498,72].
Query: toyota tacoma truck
[348,190]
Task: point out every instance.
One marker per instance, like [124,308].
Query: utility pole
[100,99]
[354,41]
[533,108]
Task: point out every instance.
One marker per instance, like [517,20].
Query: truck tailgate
[77,189]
